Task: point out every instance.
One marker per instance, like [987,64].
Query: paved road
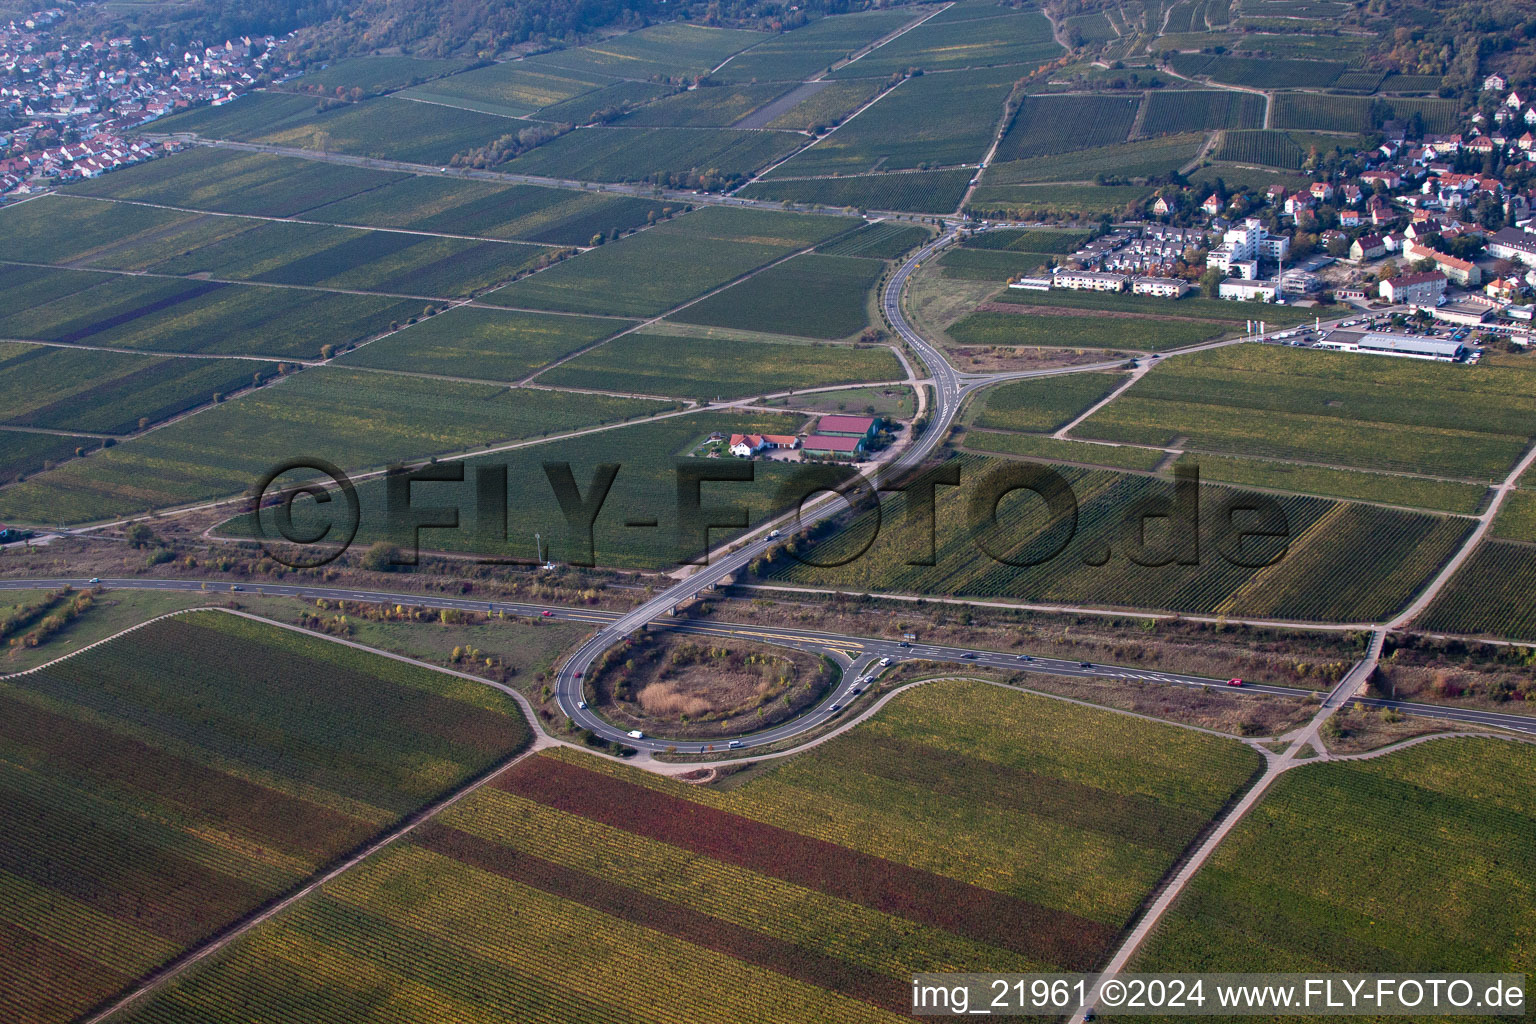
[858,651]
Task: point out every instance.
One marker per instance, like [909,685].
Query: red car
[546,614]
[1234,682]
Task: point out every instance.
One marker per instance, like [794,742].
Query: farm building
[1243,291]
[821,444]
[1162,287]
[1417,289]
[747,445]
[1401,345]
[847,426]
[1352,295]
[1090,281]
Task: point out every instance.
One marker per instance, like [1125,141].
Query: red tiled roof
[846,424]
[819,442]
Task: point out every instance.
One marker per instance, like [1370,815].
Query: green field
[990,264]
[932,120]
[1049,449]
[1030,240]
[1072,331]
[1490,594]
[162,786]
[22,453]
[1260,72]
[809,893]
[1467,422]
[1517,517]
[1144,158]
[828,105]
[812,295]
[1019,200]
[671,49]
[243,120]
[174,315]
[513,88]
[1338,563]
[1386,488]
[1358,113]
[373,74]
[1006,38]
[229,181]
[912,191]
[714,107]
[670,156]
[793,56]
[885,240]
[392,262]
[1202,110]
[602,103]
[655,270]
[694,367]
[483,344]
[352,418]
[1313,879]
[529,212]
[1058,124]
[109,392]
[1286,149]
[1203,309]
[1042,404]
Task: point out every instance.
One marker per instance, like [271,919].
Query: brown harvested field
[697,688]
[674,919]
[1041,933]
[984,358]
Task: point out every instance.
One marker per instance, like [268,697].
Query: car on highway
[1234,682]
[636,734]
[582,704]
[884,662]
[1026,657]
[1085,664]
[95,579]
[546,613]
[773,534]
[734,744]
[970,655]
[835,707]
[904,644]
[237,587]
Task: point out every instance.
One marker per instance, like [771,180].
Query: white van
[636,734]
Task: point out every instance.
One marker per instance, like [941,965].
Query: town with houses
[67,105]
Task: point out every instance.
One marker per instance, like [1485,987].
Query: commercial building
[1402,345]
[1244,291]
[1032,284]
[847,426]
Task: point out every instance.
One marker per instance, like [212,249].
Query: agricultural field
[1268,148]
[655,270]
[138,822]
[476,343]
[794,56]
[1024,200]
[1050,449]
[1142,159]
[1517,517]
[1234,176]
[1286,892]
[391,262]
[1336,562]
[1018,40]
[391,129]
[1353,485]
[352,418]
[66,229]
[1260,72]
[698,367]
[1046,125]
[52,388]
[175,316]
[655,154]
[531,213]
[882,240]
[990,264]
[23,453]
[910,191]
[229,181]
[1031,240]
[373,75]
[594,105]
[811,892]
[1198,308]
[252,115]
[706,107]
[646,485]
[1042,404]
[1070,330]
[1354,411]
[1201,110]
[512,88]
[821,105]
[812,296]
[925,121]
[670,49]
[1490,594]
[1358,113]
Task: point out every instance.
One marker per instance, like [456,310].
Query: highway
[858,653]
